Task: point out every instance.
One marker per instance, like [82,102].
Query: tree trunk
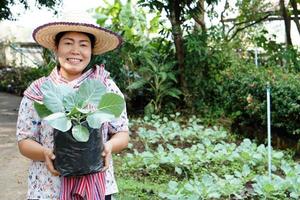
[226,6]
[287,23]
[199,16]
[295,12]
[174,17]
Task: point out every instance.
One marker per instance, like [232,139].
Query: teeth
[73,59]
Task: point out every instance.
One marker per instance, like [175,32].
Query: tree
[178,12]
[250,13]
[287,22]
[253,12]
[296,13]
[5,12]
[199,14]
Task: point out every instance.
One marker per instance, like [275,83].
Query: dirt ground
[13,166]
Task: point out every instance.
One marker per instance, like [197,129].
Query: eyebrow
[84,40]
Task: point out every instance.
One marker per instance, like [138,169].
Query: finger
[106,161]
[52,156]
[55,173]
[105,167]
[49,163]
[51,168]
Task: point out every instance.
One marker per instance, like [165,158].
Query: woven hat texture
[105,40]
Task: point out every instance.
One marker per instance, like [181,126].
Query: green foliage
[251,10]
[195,162]
[133,189]
[277,54]
[16,80]
[126,18]
[6,5]
[139,56]
[244,97]
[206,56]
[158,78]
[68,107]
[249,15]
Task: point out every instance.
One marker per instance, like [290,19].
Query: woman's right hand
[49,157]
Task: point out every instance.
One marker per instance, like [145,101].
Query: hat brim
[105,40]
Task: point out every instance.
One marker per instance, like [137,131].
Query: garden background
[195,84]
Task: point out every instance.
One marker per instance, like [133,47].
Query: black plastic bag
[73,158]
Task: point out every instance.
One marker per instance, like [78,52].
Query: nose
[75,49]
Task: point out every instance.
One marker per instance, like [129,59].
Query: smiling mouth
[74,60]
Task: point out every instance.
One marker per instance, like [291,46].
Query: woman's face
[74,52]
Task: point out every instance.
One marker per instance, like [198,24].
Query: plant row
[203,163]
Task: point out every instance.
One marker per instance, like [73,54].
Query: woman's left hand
[106,154]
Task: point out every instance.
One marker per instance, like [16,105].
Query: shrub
[205,57]
[16,80]
[244,97]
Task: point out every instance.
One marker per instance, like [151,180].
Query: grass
[137,186]
[130,189]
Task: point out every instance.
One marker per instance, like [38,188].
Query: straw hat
[105,40]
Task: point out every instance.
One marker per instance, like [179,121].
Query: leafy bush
[244,97]
[277,54]
[131,21]
[206,56]
[159,79]
[16,80]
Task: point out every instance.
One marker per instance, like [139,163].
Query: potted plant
[77,116]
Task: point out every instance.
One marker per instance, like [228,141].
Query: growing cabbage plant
[65,108]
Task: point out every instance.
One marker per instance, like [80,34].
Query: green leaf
[178,170]
[41,109]
[172,77]
[71,101]
[246,170]
[268,187]
[153,65]
[54,95]
[149,109]
[80,133]
[173,92]
[173,185]
[136,85]
[83,111]
[96,119]
[59,121]
[112,103]
[90,92]
[154,23]
[163,76]
[73,112]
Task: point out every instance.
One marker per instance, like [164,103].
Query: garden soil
[13,166]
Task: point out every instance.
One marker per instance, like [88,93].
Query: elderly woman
[73,41]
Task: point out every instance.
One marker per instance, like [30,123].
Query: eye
[84,45]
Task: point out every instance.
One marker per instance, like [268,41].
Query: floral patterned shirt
[41,184]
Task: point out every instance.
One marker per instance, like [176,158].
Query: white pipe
[269,131]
